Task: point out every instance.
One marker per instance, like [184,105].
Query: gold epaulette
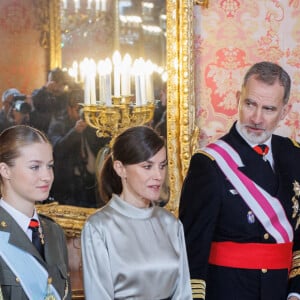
[205,153]
[295,269]
[295,143]
[198,288]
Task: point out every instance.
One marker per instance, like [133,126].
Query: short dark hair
[132,146]
[59,76]
[75,97]
[268,73]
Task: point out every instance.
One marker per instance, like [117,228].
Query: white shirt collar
[269,155]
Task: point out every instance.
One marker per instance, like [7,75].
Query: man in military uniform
[239,202]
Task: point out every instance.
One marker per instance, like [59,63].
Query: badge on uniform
[250,217]
[295,201]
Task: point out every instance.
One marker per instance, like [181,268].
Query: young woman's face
[142,182]
[31,177]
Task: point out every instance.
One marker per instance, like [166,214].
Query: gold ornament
[296,189]
[49,295]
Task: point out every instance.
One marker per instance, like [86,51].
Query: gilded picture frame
[180,86]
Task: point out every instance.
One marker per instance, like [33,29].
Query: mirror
[180,117]
[180,99]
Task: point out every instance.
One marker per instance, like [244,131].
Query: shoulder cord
[1,295]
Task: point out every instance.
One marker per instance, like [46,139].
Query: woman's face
[142,182]
[31,177]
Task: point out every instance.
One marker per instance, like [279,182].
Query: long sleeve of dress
[183,290]
[96,272]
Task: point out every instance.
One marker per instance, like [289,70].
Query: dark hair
[132,146]
[75,97]
[59,76]
[268,73]
[14,138]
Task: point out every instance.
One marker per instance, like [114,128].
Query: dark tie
[261,149]
[37,237]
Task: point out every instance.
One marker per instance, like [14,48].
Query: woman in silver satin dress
[132,248]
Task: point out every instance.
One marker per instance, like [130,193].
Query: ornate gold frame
[180,86]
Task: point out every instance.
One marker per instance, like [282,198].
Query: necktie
[261,149]
[37,237]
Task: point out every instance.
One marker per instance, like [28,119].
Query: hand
[80,126]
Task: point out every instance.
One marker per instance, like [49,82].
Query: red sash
[251,255]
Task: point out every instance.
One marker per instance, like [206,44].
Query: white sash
[33,277]
[267,209]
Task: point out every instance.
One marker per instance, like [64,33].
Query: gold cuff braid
[295,270]
[294,273]
[198,288]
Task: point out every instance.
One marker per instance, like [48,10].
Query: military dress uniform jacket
[56,259]
[211,210]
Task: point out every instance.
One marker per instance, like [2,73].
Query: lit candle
[65,4]
[92,78]
[87,92]
[125,75]
[89,4]
[103,5]
[149,82]
[71,73]
[141,71]
[97,5]
[84,75]
[81,69]
[137,81]
[75,70]
[117,73]
[77,5]
[101,73]
[108,68]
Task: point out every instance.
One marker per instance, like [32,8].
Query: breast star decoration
[295,200]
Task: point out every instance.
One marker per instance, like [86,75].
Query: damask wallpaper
[23,62]
[231,35]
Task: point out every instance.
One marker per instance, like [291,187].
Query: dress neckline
[128,209]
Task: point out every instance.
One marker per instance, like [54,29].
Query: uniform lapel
[51,250]
[254,166]
[17,236]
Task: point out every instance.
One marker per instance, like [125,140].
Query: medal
[250,217]
[295,201]
[49,295]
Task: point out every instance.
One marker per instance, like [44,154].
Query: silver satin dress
[134,253]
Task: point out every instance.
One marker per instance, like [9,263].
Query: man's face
[73,112]
[260,109]
[54,87]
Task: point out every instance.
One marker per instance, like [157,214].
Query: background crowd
[56,110]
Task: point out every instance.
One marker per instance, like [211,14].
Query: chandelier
[118,92]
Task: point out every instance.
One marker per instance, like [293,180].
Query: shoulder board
[295,143]
[200,151]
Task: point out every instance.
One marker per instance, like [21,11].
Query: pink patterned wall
[23,62]
[231,35]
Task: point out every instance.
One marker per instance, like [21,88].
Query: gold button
[266,236]
[264,270]
[17,279]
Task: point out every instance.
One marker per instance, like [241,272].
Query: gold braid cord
[198,288]
[295,270]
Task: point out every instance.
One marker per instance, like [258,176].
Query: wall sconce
[203,3]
